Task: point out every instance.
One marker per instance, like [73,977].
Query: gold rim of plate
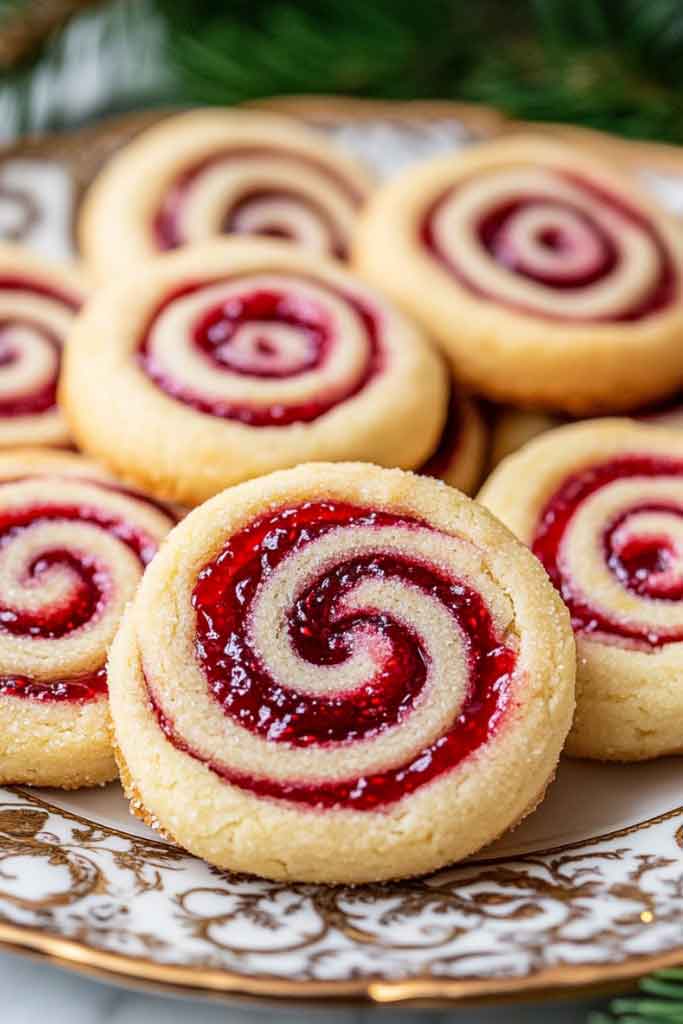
[563,981]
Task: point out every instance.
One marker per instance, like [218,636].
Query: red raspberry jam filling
[582,251]
[167,223]
[641,563]
[45,398]
[17,283]
[449,441]
[81,688]
[323,634]
[258,310]
[587,253]
[87,597]
[217,334]
[261,204]
[646,564]
[29,402]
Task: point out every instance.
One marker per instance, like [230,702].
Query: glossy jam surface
[597,264]
[646,564]
[79,688]
[322,634]
[167,224]
[87,595]
[449,441]
[641,563]
[214,331]
[45,398]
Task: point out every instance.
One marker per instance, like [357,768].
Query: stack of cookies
[238,565]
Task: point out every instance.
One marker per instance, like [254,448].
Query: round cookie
[340,673]
[209,172]
[460,454]
[38,302]
[228,360]
[548,278]
[73,545]
[601,504]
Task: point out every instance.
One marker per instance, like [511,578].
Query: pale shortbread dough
[440,822]
[62,743]
[161,443]
[629,697]
[508,335]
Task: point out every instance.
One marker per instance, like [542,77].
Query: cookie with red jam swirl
[547,277]
[38,302]
[214,172]
[600,503]
[340,673]
[228,360]
[73,546]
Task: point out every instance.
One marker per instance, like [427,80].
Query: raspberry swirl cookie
[459,457]
[228,360]
[38,302]
[548,278]
[73,545]
[602,507]
[340,673]
[211,172]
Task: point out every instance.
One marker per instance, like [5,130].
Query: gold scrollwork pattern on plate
[597,903]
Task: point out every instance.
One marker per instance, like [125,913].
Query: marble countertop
[34,991]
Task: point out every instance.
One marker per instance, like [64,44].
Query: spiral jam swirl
[262,349]
[260,190]
[353,655]
[611,539]
[72,550]
[551,244]
[34,318]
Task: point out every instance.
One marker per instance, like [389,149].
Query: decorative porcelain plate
[587,892]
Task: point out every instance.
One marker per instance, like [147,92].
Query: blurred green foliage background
[611,64]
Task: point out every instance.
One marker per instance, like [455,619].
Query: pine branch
[375,49]
[666,1008]
[618,67]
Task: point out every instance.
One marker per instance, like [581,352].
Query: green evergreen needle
[614,66]
[668,1009]
[657,985]
[640,1013]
